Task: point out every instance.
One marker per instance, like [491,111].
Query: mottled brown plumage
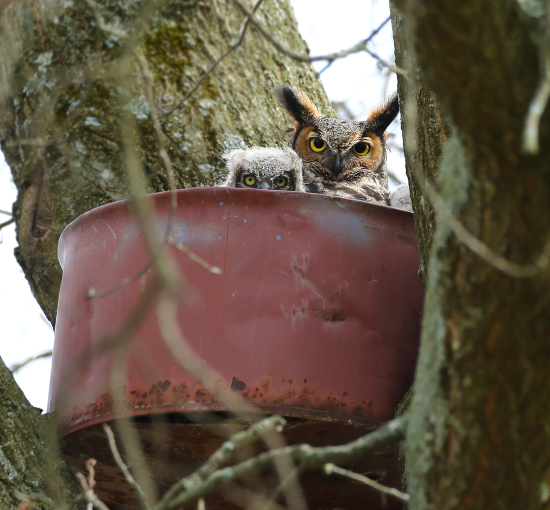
[342,158]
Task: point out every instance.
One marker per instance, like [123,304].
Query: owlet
[264,168]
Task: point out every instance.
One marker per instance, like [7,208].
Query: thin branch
[536,109]
[92,293]
[123,467]
[92,501]
[126,333]
[232,47]
[356,48]
[166,269]
[387,65]
[474,244]
[6,223]
[183,353]
[331,468]
[6,212]
[148,82]
[312,458]
[128,432]
[329,57]
[18,366]
[194,257]
[292,478]
[223,454]
[394,177]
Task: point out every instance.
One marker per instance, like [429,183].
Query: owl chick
[264,168]
[400,198]
[342,158]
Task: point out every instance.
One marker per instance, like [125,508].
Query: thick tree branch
[309,458]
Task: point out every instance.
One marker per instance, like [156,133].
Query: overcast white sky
[357,80]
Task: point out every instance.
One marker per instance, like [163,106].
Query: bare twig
[394,177]
[329,57]
[536,109]
[331,468]
[92,293]
[18,366]
[6,212]
[223,454]
[148,82]
[292,478]
[6,223]
[92,501]
[120,463]
[232,47]
[185,355]
[194,257]
[312,458]
[129,434]
[387,65]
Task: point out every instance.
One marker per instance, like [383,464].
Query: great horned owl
[342,158]
[264,168]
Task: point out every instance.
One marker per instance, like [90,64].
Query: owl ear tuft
[382,117]
[297,104]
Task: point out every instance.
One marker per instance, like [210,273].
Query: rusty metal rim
[294,412]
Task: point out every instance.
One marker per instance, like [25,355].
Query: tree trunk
[29,459]
[478,434]
[425,133]
[62,84]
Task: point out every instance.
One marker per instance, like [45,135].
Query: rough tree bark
[29,462]
[478,436]
[60,130]
[425,133]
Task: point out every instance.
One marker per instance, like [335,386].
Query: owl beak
[265,184]
[338,165]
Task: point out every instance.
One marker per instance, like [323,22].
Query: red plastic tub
[317,312]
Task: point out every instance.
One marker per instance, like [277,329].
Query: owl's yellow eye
[317,144]
[361,148]
[249,179]
[281,181]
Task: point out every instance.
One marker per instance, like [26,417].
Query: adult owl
[264,168]
[343,158]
